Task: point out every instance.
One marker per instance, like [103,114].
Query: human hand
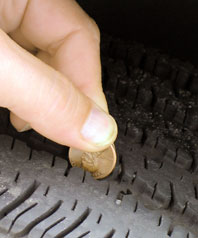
[50,76]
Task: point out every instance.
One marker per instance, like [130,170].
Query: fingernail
[100,128]
[25,128]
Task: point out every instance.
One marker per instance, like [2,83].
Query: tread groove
[20,214]
[110,234]
[52,226]
[196,192]
[30,155]
[75,224]
[170,230]
[154,191]
[160,221]
[75,205]
[136,207]
[47,191]
[127,234]
[99,219]
[17,177]
[13,143]
[84,234]
[84,176]
[39,219]
[19,200]
[3,191]
[108,189]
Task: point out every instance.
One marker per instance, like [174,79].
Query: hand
[50,76]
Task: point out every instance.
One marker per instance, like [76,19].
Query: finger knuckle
[68,105]
[94,29]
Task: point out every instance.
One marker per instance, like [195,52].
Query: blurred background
[170,25]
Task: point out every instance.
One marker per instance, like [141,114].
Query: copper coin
[99,164]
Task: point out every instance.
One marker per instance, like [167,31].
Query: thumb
[49,102]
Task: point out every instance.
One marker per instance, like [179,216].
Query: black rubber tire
[153,191]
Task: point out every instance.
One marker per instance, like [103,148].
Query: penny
[99,164]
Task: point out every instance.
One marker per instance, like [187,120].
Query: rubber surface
[153,191]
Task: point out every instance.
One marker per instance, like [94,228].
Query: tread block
[135,55]
[150,60]
[194,84]
[145,97]
[134,133]
[131,92]
[162,68]
[182,79]
[121,91]
[192,118]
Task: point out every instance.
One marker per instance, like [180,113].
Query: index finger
[71,38]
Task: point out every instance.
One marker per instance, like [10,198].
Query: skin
[50,72]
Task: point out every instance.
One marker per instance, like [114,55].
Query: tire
[153,191]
